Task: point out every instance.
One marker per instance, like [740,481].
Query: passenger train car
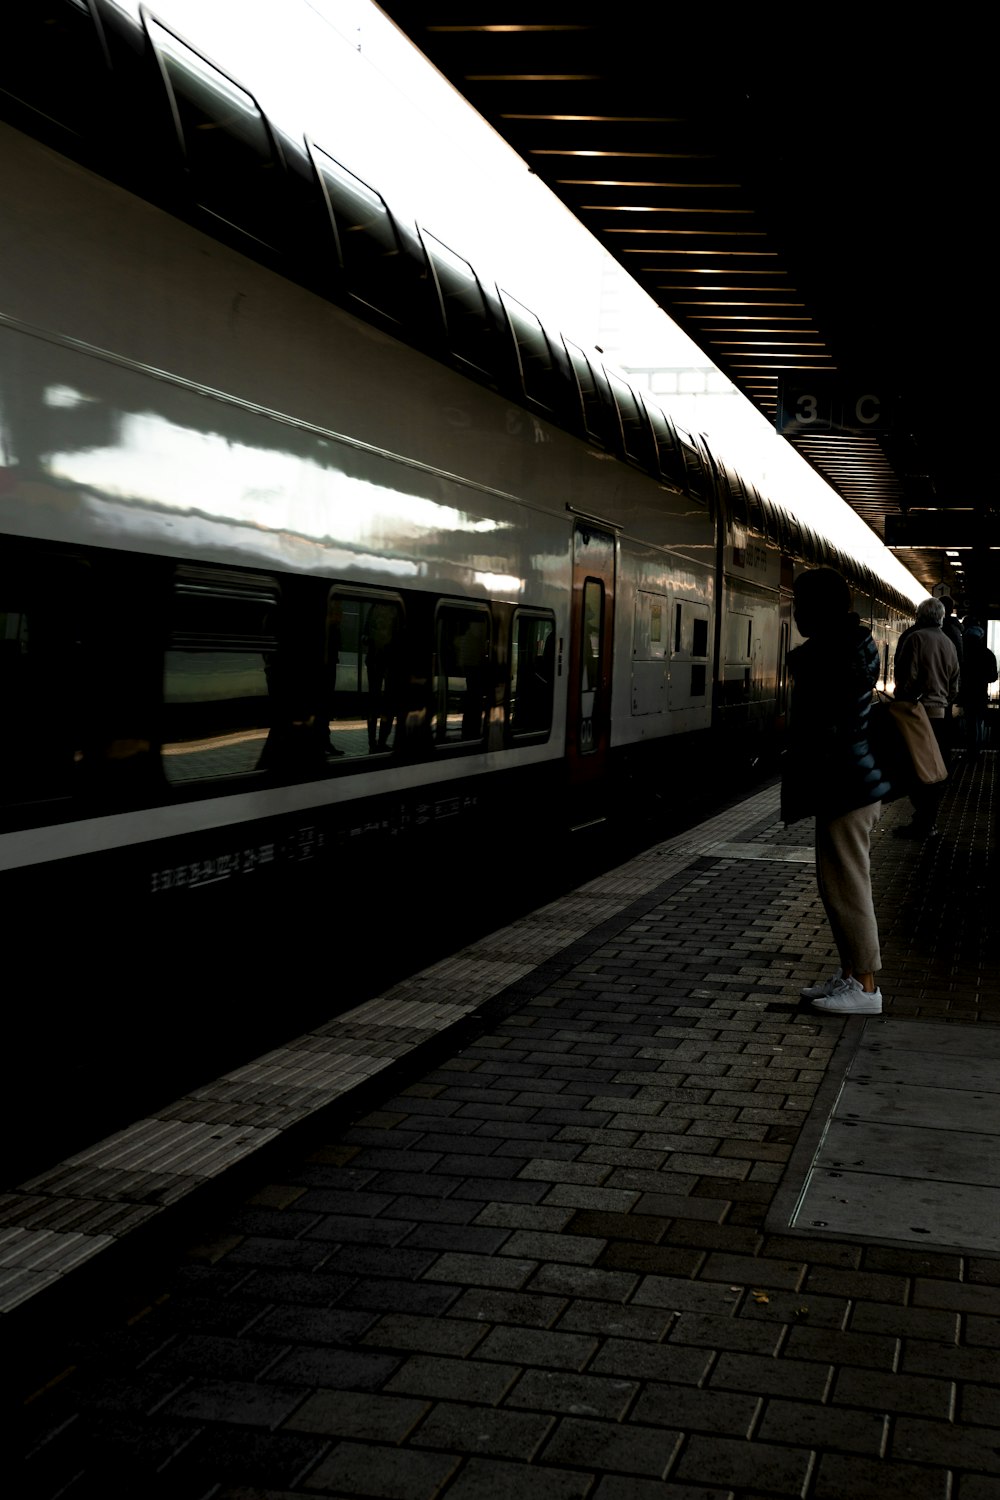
[312,539]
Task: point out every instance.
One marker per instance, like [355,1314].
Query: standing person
[952,626]
[383,641]
[926,671]
[830,773]
[979,670]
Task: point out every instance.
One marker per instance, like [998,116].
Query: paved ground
[570,1259]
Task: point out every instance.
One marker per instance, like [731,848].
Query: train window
[467,323]
[365,675]
[599,423]
[792,539]
[667,453]
[218,672]
[461,673]
[228,151]
[367,243]
[755,511]
[636,431]
[736,491]
[695,476]
[769,512]
[532,673]
[533,352]
[53,61]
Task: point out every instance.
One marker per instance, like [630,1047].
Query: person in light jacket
[829,773]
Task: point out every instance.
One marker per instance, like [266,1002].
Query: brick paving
[550,1266]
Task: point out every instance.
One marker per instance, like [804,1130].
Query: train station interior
[593,1203]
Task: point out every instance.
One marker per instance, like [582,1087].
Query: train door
[588,729]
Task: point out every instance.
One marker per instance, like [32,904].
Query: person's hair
[929,612]
[822,592]
[949,604]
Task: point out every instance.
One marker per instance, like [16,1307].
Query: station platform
[597,1208]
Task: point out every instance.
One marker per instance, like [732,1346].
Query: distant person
[952,626]
[383,648]
[978,671]
[471,649]
[926,671]
[830,774]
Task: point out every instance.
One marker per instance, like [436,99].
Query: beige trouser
[843,874]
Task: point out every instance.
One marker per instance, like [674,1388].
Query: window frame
[266,217]
[189,580]
[515,736]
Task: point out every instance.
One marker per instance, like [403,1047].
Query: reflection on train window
[364,231]
[461,673]
[38,698]
[463,305]
[216,713]
[217,677]
[532,672]
[227,146]
[365,675]
[533,352]
[592,628]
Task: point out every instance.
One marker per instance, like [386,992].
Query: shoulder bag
[904,744]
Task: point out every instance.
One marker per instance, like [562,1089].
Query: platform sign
[829,405]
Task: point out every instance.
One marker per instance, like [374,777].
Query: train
[315,541]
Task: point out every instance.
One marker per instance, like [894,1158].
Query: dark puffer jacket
[829,768]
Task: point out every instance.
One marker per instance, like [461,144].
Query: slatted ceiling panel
[813,206]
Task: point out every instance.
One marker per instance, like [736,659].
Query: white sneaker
[821,987]
[848,998]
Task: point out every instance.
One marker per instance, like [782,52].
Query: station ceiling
[808,202]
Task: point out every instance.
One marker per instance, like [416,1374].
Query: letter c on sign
[859,409]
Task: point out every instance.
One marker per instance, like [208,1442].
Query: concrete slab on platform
[911,1151]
